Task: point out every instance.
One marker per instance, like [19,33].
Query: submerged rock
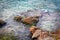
[56,34]
[30,20]
[39,34]
[46,38]
[2,23]
[8,37]
[17,18]
[33,29]
[36,34]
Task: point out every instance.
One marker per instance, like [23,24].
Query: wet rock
[46,38]
[30,20]
[55,34]
[17,18]
[33,29]
[58,33]
[2,23]
[38,34]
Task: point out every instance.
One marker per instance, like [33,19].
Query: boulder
[2,23]
[30,20]
[40,33]
[33,29]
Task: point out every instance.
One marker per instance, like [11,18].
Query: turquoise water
[17,5]
[13,6]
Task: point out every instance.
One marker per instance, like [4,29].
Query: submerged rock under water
[2,23]
[49,21]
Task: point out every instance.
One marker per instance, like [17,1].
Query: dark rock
[34,38]
[2,23]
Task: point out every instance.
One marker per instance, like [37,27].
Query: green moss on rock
[8,37]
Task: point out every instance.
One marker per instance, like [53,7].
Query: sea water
[11,8]
[7,6]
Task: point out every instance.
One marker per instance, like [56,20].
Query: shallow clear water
[11,8]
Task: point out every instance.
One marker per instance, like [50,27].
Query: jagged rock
[27,20]
[44,35]
[56,34]
[33,29]
[36,34]
[40,33]
[30,20]
[2,23]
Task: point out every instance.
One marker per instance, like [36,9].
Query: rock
[40,33]
[36,34]
[47,38]
[17,18]
[33,29]
[56,34]
[2,23]
[43,35]
[30,20]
